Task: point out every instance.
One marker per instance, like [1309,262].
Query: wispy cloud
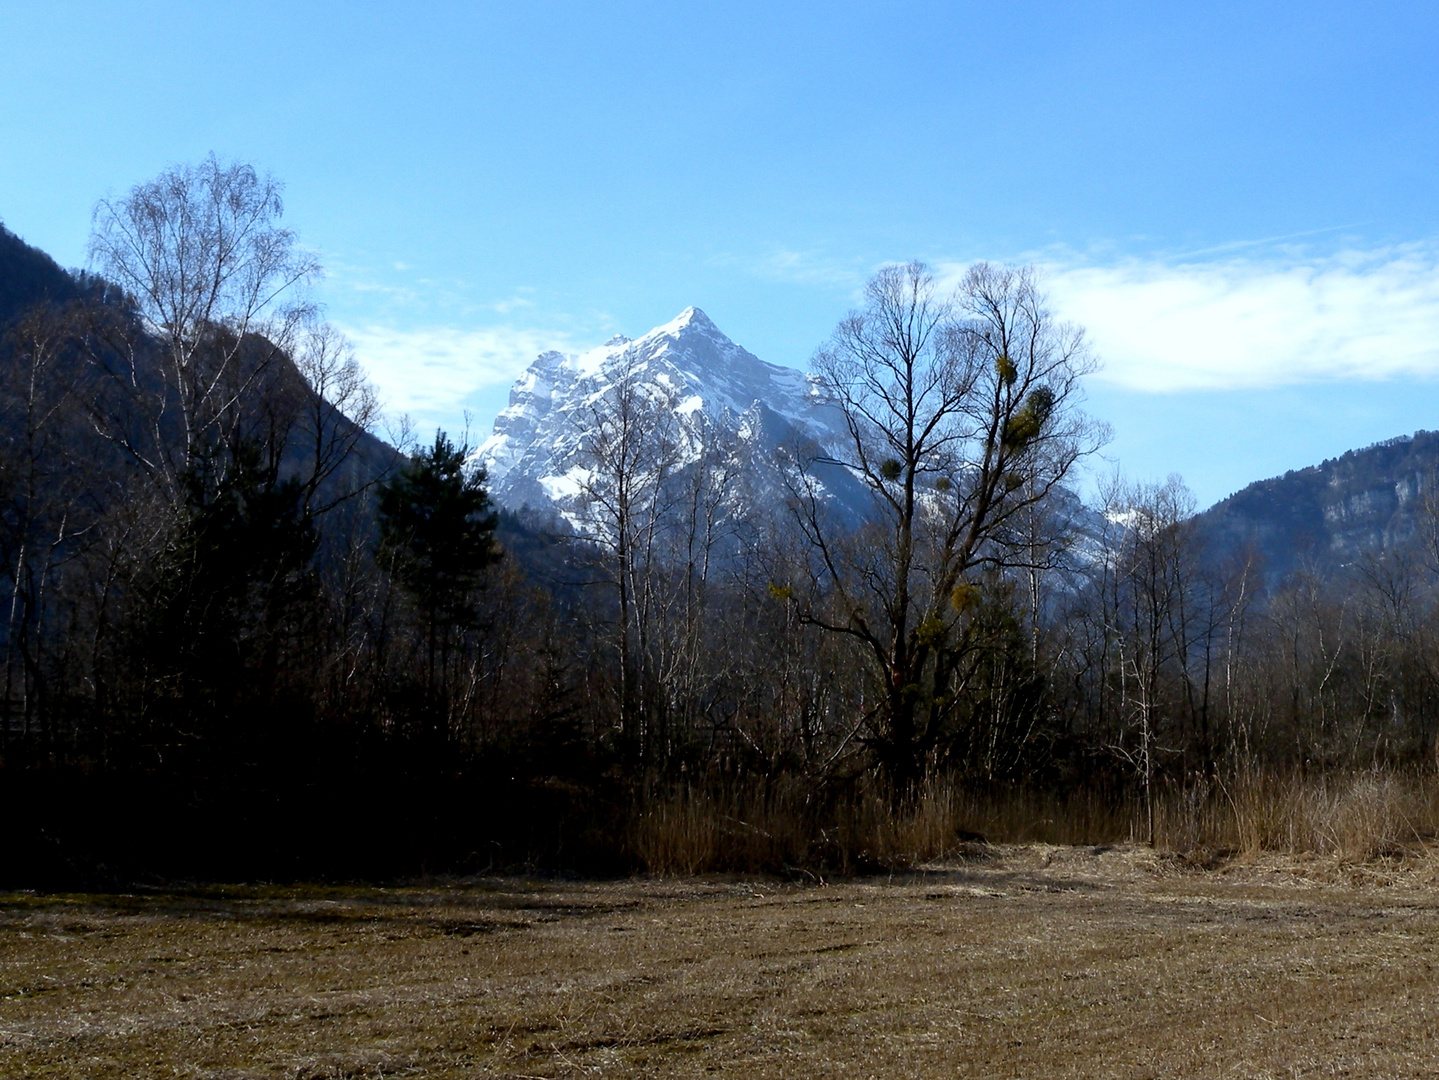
[1258,321]
[799,267]
[435,369]
[394,289]
[513,303]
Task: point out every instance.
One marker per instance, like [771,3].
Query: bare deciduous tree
[217,281]
[339,409]
[1148,580]
[630,451]
[960,415]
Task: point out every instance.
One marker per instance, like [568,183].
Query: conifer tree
[437,536]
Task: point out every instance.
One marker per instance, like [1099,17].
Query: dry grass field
[1018,962]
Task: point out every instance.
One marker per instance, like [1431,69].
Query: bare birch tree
[218,283]
[629,453]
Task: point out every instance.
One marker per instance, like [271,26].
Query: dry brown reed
[1018,815]
[787,827]
[1353,816]
[694,831]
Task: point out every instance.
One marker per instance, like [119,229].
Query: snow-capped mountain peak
[535,454]
[753,415]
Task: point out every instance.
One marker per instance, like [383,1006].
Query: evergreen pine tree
[437,536]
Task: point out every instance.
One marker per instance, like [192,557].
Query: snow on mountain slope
[753,408]
[533,456]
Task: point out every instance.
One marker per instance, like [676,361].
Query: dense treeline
[244,636]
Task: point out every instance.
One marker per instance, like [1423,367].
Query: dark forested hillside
[1329,516]
[29,277]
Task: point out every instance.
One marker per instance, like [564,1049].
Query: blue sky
[1237,200]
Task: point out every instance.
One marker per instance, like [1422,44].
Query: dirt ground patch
[1020,962]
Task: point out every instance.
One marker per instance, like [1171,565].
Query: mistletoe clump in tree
[960,418]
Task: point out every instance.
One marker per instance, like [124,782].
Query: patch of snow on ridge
[567,486]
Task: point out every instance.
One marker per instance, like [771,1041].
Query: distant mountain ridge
[1326,517]
[1330,515]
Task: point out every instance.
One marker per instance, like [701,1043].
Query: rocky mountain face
[756,410]
[535,455]
[1329,516]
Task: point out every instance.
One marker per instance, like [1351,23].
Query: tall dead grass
[1354,816]
[697,831]
[784,827]
[788,826]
